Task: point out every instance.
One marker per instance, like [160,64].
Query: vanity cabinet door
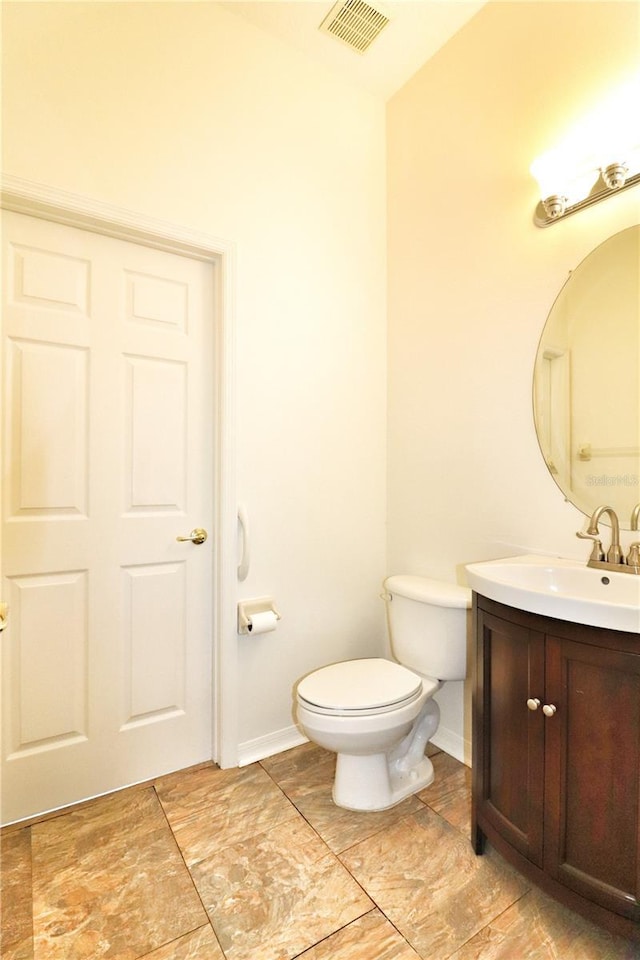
[592,773]
[509,761]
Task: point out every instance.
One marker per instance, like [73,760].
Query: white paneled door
[107,422]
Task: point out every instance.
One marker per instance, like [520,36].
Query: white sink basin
[564,589]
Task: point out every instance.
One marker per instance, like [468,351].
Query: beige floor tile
[109,881]
[198,945]
[16,914]
[450,793]
[276,894]
[538,928]
[424,876]
[295,763]
[371,937]
[308,782]
[210,809]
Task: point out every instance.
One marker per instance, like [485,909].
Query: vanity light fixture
[599,157]
[558,204]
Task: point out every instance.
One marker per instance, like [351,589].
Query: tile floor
[258,864]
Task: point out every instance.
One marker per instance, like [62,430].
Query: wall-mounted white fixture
[257,616]
[599,156]
[245,559]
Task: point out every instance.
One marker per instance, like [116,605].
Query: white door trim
[49,203]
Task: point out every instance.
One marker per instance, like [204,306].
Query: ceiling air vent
[354,22]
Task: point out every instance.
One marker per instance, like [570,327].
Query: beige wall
[183,112]
[471,281]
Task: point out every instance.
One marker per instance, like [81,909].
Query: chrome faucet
[614,553]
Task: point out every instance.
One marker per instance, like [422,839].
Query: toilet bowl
[377,715]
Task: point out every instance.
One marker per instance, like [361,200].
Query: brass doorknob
[196,536]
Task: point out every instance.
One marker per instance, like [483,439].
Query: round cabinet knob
[533,703]
[549,709]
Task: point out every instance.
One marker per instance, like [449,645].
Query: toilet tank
[428,625]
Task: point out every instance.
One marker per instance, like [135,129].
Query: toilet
[377,715]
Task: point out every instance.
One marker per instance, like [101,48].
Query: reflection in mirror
[586,389]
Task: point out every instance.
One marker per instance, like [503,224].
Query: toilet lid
[357,685]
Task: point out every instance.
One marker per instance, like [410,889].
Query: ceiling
[417,29]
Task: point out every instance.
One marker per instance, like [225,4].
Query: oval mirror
[586,386]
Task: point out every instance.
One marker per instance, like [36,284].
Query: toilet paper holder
[248,608]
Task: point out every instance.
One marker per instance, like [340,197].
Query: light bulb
[552,171]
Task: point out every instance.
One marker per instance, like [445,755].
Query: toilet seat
[362,688]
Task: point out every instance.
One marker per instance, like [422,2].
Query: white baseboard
[453,744]
[270,744]
[280,740]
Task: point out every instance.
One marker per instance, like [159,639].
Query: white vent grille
[355,22]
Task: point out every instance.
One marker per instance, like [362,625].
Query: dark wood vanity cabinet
[556,766]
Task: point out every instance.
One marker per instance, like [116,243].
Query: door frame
[49,203]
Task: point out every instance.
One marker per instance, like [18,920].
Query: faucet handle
[597,552]
[633,558]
